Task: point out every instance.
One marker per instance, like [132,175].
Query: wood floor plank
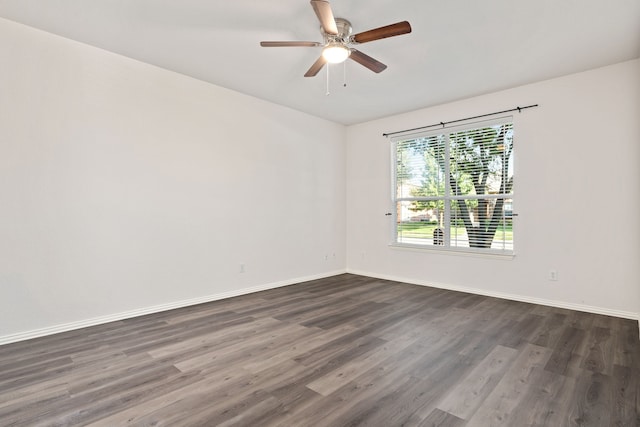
[438,418]
[566,358]
[417,398]
[316,308]
[332,320]
[552,329]
[357,397]
[351,404]
[345,373]
[465,399]
[345,350]
[626,351]
[306,344]
[625,387]
[599,356]
[209,338]
[240,350]
[178,398]
[548,401]
[592,397]
[118,395]
[297,400]
[510,392]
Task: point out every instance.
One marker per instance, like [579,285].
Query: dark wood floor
[343,351]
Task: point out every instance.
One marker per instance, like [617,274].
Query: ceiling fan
[338,40]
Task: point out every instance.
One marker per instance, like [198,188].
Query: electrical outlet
[553,275]
[242,269]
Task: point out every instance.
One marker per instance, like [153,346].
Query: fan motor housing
[344,31]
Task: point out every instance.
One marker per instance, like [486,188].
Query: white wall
[126,188]
[577,193]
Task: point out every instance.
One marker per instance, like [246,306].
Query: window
[454,188]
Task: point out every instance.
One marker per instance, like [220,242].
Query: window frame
[446,131]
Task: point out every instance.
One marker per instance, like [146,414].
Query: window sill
[451,251]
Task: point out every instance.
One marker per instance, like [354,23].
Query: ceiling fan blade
[316,67]
[367,61]
[322,8]
[290,44]
[396,29]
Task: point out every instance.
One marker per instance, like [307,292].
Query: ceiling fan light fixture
[335,53]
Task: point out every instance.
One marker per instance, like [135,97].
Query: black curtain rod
[443,124]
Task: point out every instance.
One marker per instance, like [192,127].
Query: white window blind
[454,188]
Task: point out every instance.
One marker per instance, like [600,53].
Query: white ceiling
[458,48]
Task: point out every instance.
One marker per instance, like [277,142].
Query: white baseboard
[513,297]
[21,336]
[6,339]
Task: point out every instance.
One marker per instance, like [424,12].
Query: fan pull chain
[344,77]
[328,93]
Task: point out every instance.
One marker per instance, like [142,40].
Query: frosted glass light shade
[335,53]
